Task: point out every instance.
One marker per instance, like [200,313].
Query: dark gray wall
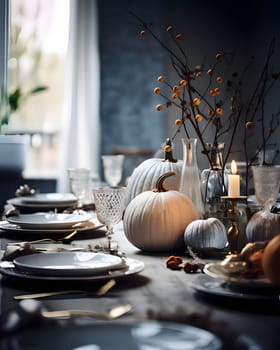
[130,65]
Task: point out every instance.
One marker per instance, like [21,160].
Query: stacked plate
[71,266]
[215,282]
[44,202]
[49,223]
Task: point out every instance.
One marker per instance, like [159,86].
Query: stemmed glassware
[266,184]
[109,207]
[113,166]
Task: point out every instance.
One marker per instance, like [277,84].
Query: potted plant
[13,147]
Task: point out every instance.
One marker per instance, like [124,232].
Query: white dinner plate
[133,266]
[86,226]
[18,203]
[50,198]
[48,220]
[215,270]
[68,263]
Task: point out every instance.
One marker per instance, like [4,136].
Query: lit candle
[233,181]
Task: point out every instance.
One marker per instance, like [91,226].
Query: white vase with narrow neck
[190,182]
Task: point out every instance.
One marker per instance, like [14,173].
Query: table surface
[158,293]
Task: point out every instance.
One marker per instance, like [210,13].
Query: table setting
[177,256]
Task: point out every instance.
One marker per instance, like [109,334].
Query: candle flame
[233,167]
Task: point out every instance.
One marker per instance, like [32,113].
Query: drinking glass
[109,207]
[266,183]
[79,181]
[113,166]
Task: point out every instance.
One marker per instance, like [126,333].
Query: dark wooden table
[157,293]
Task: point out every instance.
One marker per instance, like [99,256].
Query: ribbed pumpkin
[263,226]
[145,176]
[208,233]
[156,220]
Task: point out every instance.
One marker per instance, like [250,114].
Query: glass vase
[212,181]
[190,182]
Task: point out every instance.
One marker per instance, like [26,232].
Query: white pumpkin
[156,220]
[207,233]
[145,176]
[263,226]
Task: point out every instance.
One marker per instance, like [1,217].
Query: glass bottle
[190,182]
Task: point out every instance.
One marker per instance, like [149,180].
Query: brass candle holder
[233,215]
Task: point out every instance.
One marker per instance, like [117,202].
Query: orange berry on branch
[198,118]
[159,107]
[160,79]
[183,82]
[249,125]
[180,37]
[178,122]
[196,101]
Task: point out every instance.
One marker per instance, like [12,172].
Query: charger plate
[211,287]
[237,281]
[86,226]
[133,266]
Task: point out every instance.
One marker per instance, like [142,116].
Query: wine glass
[266,183]
[109,207]
[113,166]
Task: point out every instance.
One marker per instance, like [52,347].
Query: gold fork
[100,292]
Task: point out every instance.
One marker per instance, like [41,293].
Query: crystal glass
[80,186]
[109,207]
[266,183]
[113,166]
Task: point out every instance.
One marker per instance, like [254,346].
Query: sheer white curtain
[80,129]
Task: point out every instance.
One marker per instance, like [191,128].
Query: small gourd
[263,226]
[144,177]
[156,220]
[206,233]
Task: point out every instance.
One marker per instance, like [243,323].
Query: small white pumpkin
[156,220]
[263,226]
[144,177]
[206,233]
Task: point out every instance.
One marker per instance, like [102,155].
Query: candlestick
[233,181]
[233,215]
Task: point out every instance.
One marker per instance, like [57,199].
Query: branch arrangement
[205,99]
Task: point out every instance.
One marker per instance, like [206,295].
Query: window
[37,56]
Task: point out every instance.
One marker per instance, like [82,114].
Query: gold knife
[113,313]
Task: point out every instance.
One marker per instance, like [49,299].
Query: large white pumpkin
[145,176]
[208,233]
[156,220]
